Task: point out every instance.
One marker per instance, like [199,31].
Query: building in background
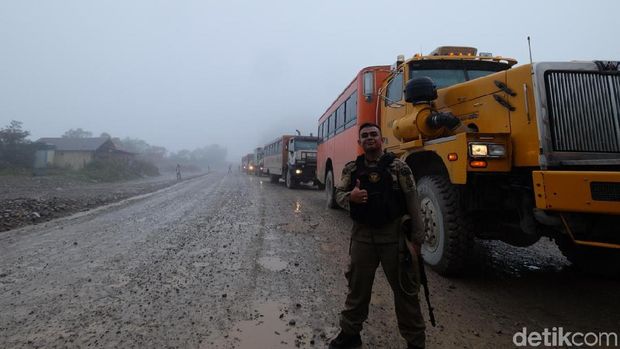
[76,153]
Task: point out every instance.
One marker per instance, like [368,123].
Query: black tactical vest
[386,200]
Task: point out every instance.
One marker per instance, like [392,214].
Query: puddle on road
[271,326]
[272,263]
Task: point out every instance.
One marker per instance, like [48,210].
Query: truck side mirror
[419,90]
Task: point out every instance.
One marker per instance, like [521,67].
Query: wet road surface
[235,261]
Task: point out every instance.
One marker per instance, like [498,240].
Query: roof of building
[75,144]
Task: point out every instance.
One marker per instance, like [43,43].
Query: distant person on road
[378,190]
[178,172]
[229,168]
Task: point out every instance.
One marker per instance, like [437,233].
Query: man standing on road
[378,190]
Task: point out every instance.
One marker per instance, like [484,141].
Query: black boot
[346,341]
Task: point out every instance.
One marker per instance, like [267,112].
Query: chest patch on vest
[374,177]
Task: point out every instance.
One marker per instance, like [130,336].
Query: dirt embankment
[31,200]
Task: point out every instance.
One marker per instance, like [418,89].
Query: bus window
[340,118]
[330,125]
[395,90]
[369,85]
[325,129]
[351,110]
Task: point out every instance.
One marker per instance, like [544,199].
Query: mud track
[235,261]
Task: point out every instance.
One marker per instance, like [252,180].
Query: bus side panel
[342,147]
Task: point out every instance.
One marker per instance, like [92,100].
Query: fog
[185,74]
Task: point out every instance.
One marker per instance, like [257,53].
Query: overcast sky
[184,74]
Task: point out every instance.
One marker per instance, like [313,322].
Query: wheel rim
[432,228]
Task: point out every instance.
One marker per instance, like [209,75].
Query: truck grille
[584,110]
[605,191]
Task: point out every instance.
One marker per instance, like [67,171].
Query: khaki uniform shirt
[389,233]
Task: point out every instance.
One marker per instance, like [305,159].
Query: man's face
[370,139]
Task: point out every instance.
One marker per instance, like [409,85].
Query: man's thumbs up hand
[358,196]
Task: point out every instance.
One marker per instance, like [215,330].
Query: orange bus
[338,126]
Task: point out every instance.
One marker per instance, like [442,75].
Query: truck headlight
[478,150]
[298,171]
[497,150]
[484,150]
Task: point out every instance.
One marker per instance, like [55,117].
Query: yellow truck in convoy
[509,152]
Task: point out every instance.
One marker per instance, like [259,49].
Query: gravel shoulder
[26,200]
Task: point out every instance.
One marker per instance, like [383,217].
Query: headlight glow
[479,149]
[297,171]
[482,150]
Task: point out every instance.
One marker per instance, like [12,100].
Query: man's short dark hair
[368,124]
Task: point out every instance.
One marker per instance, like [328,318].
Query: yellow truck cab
[509,152]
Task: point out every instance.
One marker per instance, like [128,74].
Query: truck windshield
[305,145]
[448,73]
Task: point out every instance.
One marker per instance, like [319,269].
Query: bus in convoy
[292,158]
[338,127]
[257,160]
[509,153]
[275,157]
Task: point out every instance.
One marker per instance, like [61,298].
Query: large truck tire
[446,239]
[290,182]
[592,260]
[330,190]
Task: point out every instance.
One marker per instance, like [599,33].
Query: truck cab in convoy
[301,166]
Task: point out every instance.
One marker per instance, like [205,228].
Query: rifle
[419,260]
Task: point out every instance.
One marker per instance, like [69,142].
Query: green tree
[15,148]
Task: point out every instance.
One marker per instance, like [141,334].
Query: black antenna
[529,45]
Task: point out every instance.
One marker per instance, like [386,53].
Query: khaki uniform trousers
[365,258]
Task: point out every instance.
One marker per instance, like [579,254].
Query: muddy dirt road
[235,261]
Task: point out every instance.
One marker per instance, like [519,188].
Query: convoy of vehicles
[497,151]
